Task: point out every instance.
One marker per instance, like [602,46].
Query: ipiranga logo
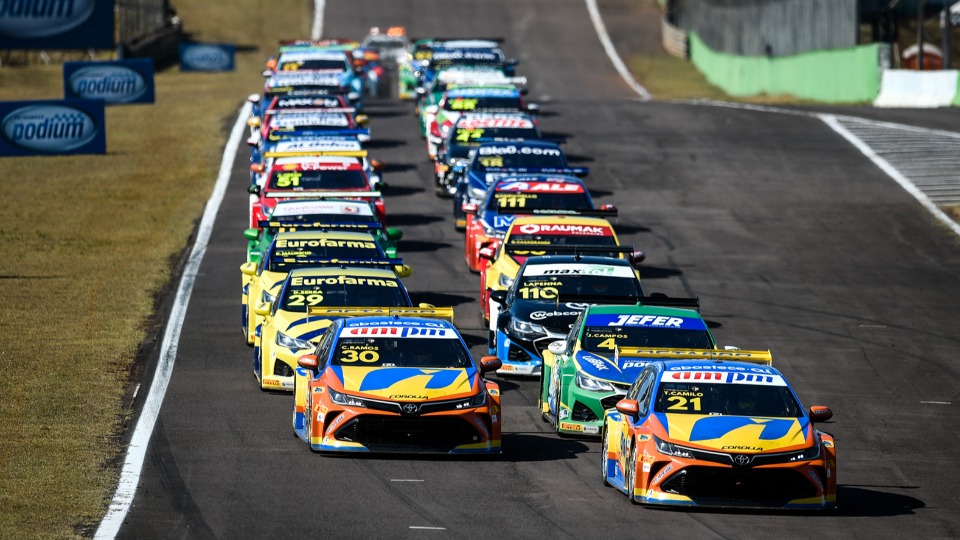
[42,18]
[113,84]
[49,128]
[206,57]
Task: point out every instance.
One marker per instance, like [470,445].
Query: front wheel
[630,473]
[603,458]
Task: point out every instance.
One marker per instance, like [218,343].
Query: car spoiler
[360,311]
[763,358]
[573,171]
[315,153]
[324,194]
[334,261]
[589,212]
[275,135]
[524,249]
[308,109]
[662,300]
[280,223]
[459,38]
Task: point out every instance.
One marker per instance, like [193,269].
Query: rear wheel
[630,472]
[603,458]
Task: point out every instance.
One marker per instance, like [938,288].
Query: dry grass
[88,243]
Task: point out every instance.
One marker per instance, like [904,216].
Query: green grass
[89,241]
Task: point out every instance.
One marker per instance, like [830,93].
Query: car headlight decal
[526,329]
[284,340]
[594,385]
[345,399]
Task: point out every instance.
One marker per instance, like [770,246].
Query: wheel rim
[628,474]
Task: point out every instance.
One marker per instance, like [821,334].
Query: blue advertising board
[69,126]
[56,24]
[116,82]
[206,56]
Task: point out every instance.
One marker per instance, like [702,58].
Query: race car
[718,432]
[464,53]
[511,196]
[308,122]
[289,329]
[319,214]
[396,383]
[469,132]
[438,119]
[261,281]
[327,61]
[261,107]
[312,177]
[459,77]
[409,67]
[548,294]
[313,146]
[584,374]
[495,160]
[312,82]
[392,45]
[530,236]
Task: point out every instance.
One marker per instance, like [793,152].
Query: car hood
[735,433]
[407,383]
[300,326]
[623,370]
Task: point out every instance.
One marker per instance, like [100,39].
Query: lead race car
[721,429]
[396,383]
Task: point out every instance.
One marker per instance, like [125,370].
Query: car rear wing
[315,153]
[291,224]
[278,134]
[662,300]
[360,311]
[763,358]
[573,171]
[527,249]
[587,212]
[311,109]
[324,194]
[281,262]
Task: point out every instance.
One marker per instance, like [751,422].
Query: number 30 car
[718,433]
[396,384]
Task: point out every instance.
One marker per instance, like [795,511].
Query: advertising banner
[56,24]
[206,56]
[52,127]
[117,82]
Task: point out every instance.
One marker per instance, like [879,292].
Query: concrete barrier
[917,89]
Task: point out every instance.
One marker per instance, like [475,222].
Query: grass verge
[88,243]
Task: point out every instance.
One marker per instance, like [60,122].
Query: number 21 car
[718,433]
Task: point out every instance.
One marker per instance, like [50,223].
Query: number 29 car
[396,384]
[718,433]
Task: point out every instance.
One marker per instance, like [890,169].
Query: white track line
[891,171]
[317,30]
[612,52]
[136,452]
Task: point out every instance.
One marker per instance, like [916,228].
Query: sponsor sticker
[56,24]
[117,82]
[69,126]
[652,321]
[563,229]
[401,332]
[206,57]
[541,187]
[578,270]
[570,426]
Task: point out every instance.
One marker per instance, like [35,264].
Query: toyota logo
[410,408]
[742,460]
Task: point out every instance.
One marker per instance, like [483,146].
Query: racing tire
[543,415]
[630,472]
[603,459]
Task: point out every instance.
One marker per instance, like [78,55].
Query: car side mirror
[253,121]
[499,296]
[309,361]
[629,407]
[533,108]
[819,413]
[557,347]
[608,207]
[267,73]
[262,309]
[249,269]
[251,234]
[377,165]
[403,271]
[469,208]
[394,234]
[363,120]
[487,254]
[637,257]
[254,189]
[256,167]
[431,109]
[426,305]
[490,363]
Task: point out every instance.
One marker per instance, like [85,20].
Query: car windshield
[567,288]
[504,201]
[304,291]
[482,103]
[323,179]
[727,399]
[294,249]
[312,64]
[514,157]
[604,340]
[400,352]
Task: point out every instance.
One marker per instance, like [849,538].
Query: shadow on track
[519,447]
[417,246]
[399,220]
[394,190]
[441,299]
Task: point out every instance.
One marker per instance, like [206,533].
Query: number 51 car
[717,433]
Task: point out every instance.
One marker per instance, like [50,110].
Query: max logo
[49,128]
[42,18]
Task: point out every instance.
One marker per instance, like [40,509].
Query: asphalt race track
[791,238]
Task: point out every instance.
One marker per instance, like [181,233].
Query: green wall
[956,98]
[834,76]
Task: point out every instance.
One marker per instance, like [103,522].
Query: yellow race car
[289,328]
[261,281]
[545,235]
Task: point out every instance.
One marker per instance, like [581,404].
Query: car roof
[413,322]
[383,273]
[322,206]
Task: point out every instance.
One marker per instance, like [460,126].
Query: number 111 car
[718,433]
